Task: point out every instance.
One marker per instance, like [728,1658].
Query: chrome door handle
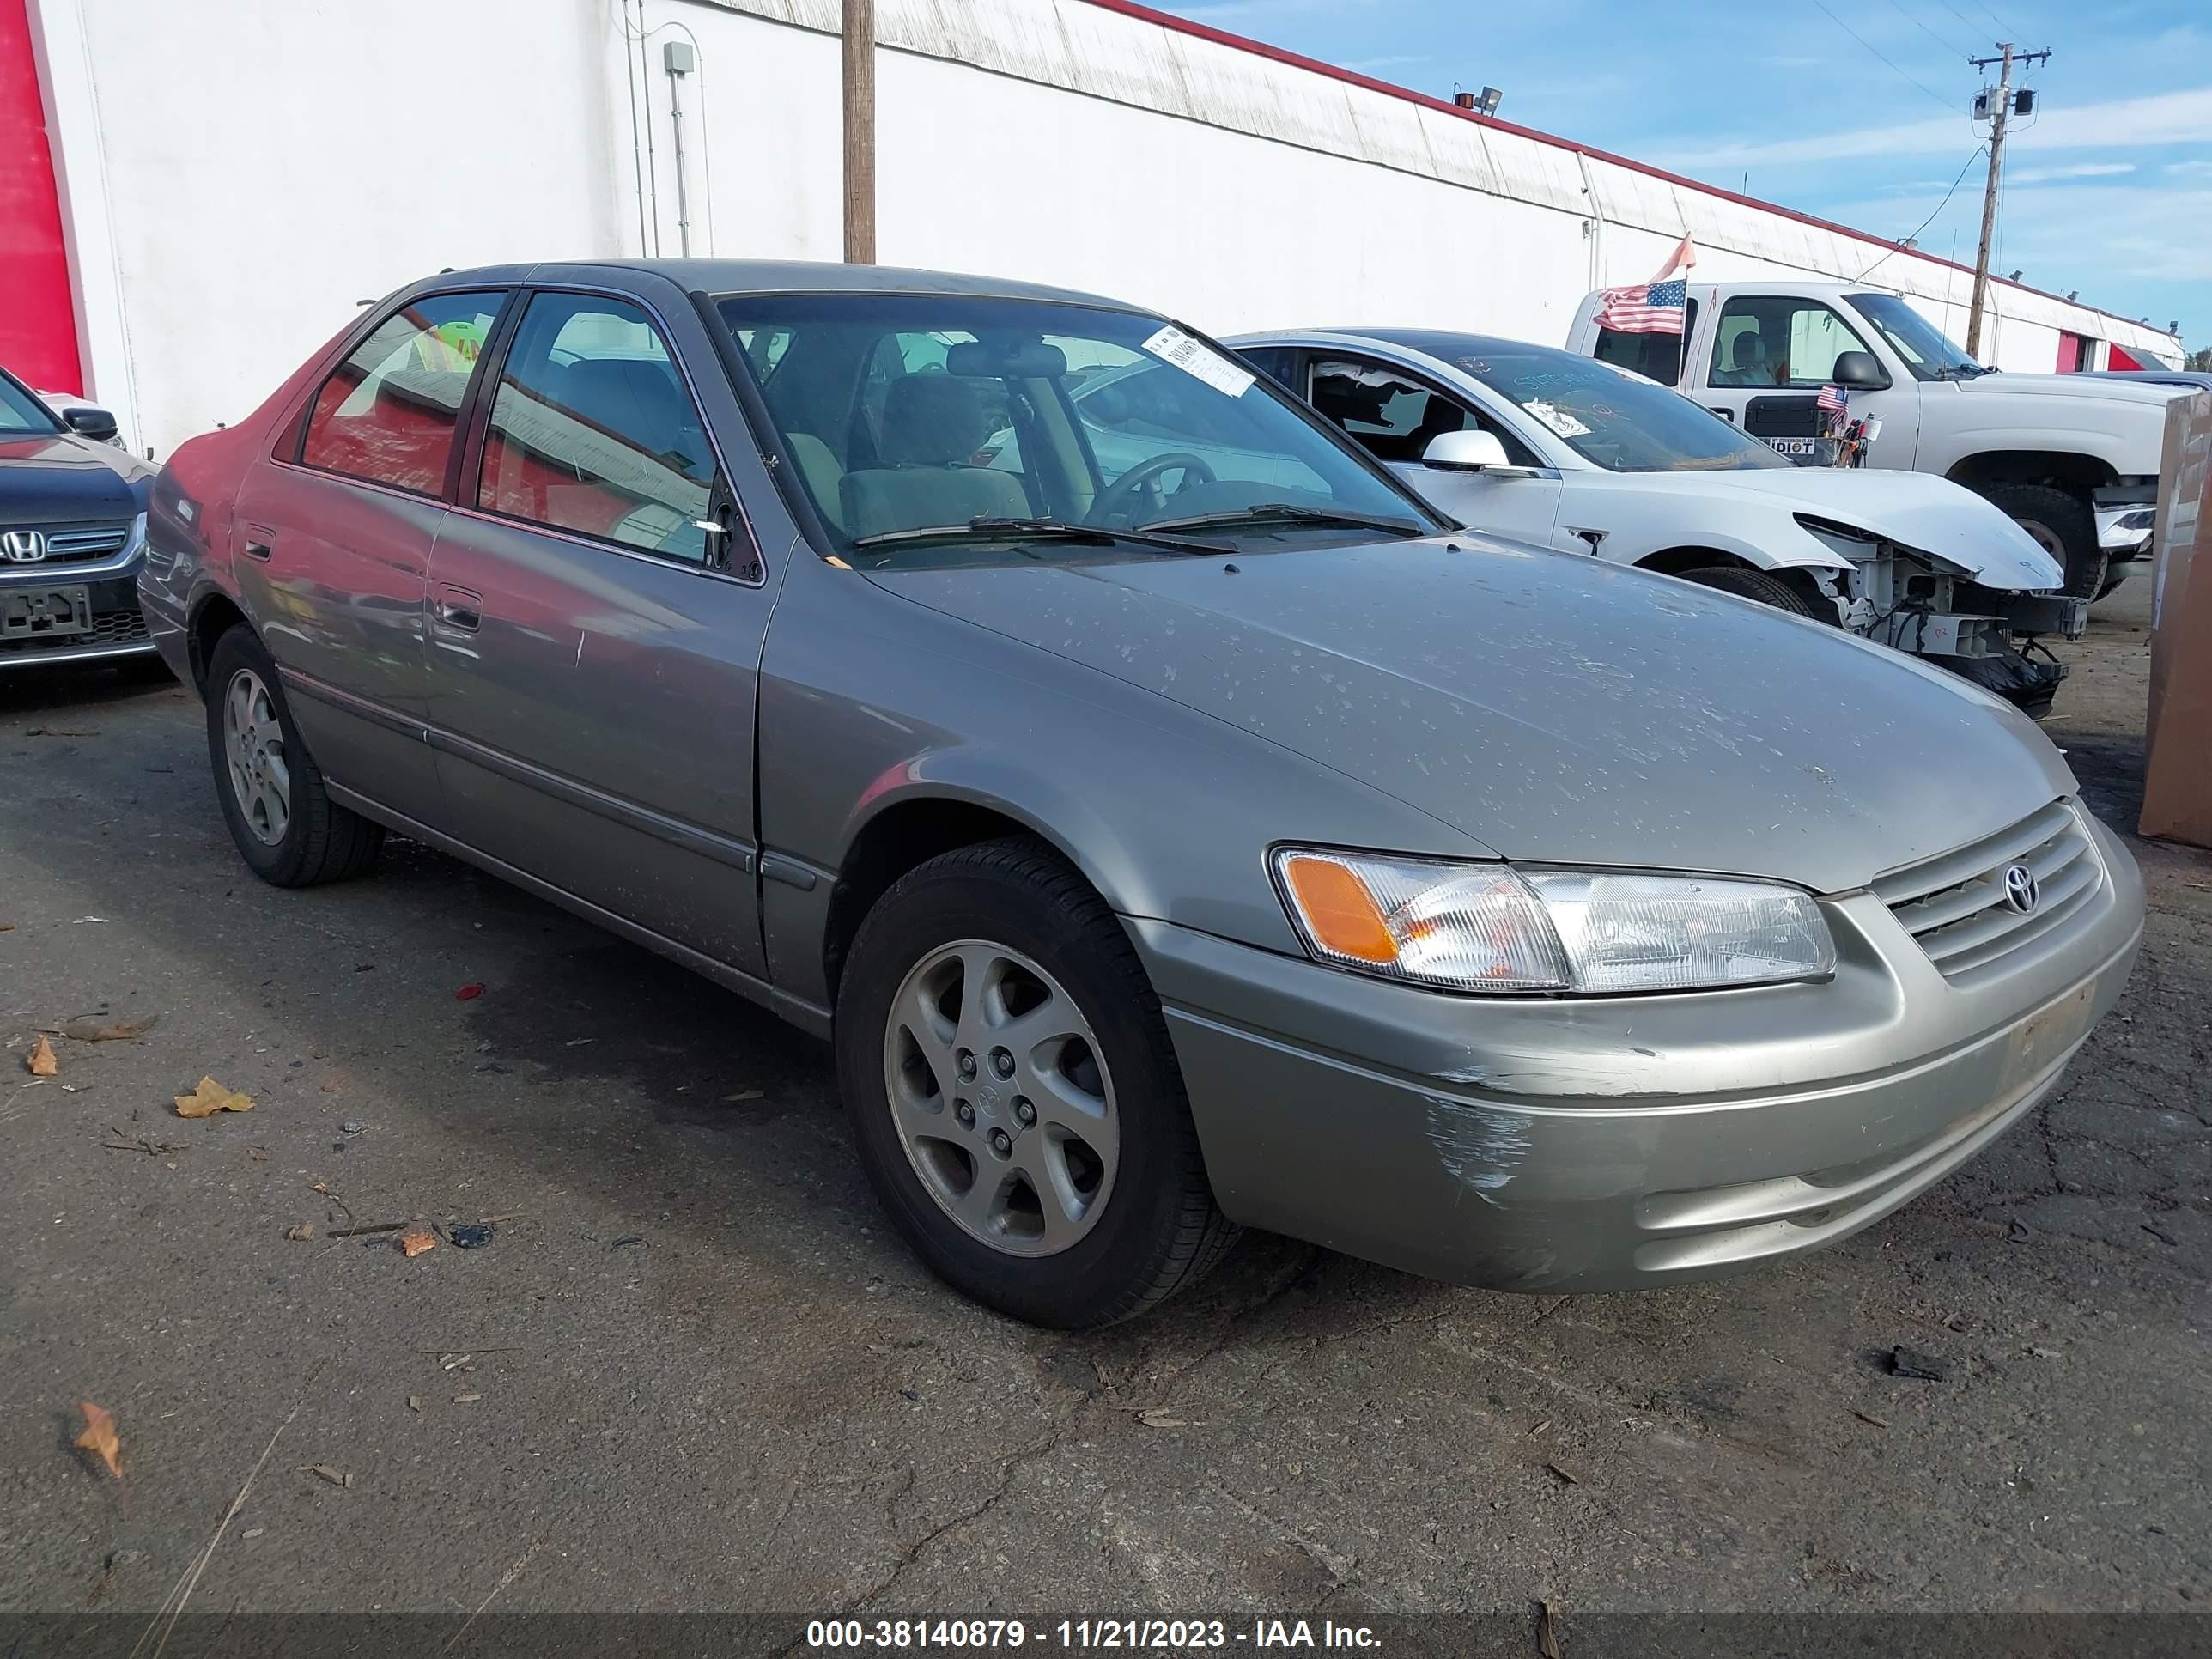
[458,608]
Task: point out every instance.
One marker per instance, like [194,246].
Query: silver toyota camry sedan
[1174,823]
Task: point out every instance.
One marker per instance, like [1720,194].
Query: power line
[1925,29]
[1961,16]
[2000,23]
[1930,219]
[1877,52]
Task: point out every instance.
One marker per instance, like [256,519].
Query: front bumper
[1621,1143]
[118,627]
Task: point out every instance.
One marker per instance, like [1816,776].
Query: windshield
[1619,420]
[906,415]
[21,412]
[1927,351]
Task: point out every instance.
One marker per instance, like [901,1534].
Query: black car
[72,535]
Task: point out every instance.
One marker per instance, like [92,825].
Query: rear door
[595,613]
[334,531]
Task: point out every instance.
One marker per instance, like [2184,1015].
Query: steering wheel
[1121,495]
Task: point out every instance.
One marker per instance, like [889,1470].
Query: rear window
[1659,357]
[388,413]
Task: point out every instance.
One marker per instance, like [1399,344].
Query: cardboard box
[2177,765]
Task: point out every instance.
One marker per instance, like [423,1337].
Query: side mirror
[1465,452]
[1861,370]
[90,422]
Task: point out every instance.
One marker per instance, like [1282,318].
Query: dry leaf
[414,1402]
[467,1399]
[42,1062]
[1547,1630]
[1159,1417]
[1563,1475]
[300,1234]
[211,1098]
[98,1437]
[325,1472]
[416,1240]
[108,1031]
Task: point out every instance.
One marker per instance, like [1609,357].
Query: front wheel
[1014,1095]
[1752,585]
[285,824]
[2063,524]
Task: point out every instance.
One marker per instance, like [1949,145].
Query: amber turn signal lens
[1338,908]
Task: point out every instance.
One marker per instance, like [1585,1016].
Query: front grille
[1956,907]
[108,627]
[78,543]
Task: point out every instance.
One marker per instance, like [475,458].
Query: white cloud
[2078,170]
[1396,60]
[2163,118]
[2189,169]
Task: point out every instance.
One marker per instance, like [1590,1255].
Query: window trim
[294,453]
[478,410]
[1796,301]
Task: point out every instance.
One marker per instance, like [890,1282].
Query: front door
[1393,414]
[594,645]
[333,544]
[1764,365]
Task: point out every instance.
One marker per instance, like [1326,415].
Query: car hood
[2067,386]
[1915,510]
[56,478]
[1554,709]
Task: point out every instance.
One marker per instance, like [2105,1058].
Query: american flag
[1644,307]
[1833,398]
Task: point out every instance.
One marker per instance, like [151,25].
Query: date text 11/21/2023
[938,1635]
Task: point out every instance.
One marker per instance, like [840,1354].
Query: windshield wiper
[1290,513]
[988,529]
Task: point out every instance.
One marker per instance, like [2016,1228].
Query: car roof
[1446,345]
[722,276]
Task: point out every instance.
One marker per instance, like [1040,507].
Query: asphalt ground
[693,1369]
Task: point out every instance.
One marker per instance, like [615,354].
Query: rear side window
[388,412]
[592,430]
[1658,357]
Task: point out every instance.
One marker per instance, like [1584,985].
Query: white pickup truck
[2073,458]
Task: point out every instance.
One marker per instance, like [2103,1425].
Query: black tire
[322,840]
[2110,582]
[2066,525]
[1754,584]
[1160,1229]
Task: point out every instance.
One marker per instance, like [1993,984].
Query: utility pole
[2000,114]
[859,44]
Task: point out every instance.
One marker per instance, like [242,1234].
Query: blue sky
[2108,188]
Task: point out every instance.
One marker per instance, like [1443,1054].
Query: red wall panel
[38,319]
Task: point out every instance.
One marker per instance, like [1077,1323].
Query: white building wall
[249,181]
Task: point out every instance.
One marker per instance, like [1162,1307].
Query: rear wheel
[2064,526]
[1014,1095]
[285,824]
[1752,585]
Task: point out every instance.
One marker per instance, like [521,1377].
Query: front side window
[1393,416]
[908,417]
[592,430]
[22,414]
[1617,420]
[1928,351]
[388,412]
[1772,340]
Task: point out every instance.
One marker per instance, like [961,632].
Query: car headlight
[1489,928]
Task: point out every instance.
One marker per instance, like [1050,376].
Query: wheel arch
[908,829]
[2067,469]
[213,615]
[1798,578]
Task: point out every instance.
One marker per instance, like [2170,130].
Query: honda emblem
[23,546]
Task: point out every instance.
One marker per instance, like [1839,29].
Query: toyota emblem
[23,546]
[2020,889]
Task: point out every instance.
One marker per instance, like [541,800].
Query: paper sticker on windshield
[1556,418]
[1172,345]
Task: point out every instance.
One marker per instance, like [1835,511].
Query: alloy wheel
[254,742]
[1002,1098]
